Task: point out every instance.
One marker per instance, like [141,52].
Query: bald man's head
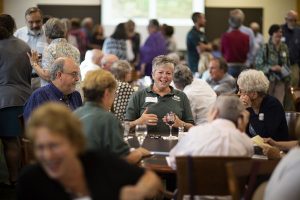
[97,56]
[291,19]
[107,61]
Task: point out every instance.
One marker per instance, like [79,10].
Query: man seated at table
[223,135]
[220,81]
[64,74]
[102,129]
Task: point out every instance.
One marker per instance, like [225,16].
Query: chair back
[246,174]
[27,156]
[291,119]
[203,175]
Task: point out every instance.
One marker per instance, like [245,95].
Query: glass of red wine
[170,118]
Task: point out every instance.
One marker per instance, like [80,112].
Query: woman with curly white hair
[267,116]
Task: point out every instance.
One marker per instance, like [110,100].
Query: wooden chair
[203,175]
[27,155]
[291,119]
[247,174]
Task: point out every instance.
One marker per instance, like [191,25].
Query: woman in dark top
[15,75]
[65,171]
[267,116]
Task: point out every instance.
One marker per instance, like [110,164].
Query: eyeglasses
[73,74]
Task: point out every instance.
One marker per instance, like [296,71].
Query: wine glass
[126,127]
[170,117]
[141,133]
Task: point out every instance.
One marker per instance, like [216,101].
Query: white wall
[274,10]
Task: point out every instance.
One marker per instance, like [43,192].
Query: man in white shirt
[33,34]
[223,135]
[92,61]
[199,93]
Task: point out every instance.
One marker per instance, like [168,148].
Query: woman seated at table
[65,171]
[267,116]
[121,69]
[150,105]
[102,129]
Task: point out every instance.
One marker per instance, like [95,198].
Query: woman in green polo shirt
[150,105]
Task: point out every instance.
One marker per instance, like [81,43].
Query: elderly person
[122,71]
[92,61]
[291,35]
[220,81]
[69,171]
[103,130]
[273,59]
[58,47]
[199,93]
[34,35]
[267,117]
[223,135]
[15,73]
[107,61]
[64,77]
[150,105]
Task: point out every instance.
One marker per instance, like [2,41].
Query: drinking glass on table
[126,126]
[141,133]
[170,118]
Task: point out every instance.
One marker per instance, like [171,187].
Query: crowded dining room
[156,100]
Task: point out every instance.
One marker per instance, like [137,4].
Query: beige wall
[274,10]
[1,6]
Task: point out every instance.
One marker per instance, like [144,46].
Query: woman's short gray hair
[253,81]
[120,68]
[54,28]
[183,76]
[57,66]
[161,60]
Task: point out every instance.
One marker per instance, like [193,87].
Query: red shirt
[235,46]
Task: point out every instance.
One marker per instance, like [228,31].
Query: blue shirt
[51,93]
[194,37]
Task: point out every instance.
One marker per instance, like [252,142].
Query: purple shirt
[155,45]
[51,93]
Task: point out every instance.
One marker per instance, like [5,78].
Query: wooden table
[160,149]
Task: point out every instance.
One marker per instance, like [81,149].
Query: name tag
[284,54]
[151,99]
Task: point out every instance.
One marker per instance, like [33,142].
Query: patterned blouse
[268,56]
[123,93]
[59,48]
[116,47]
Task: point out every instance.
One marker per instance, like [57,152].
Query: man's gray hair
[161,60]
[229,107]
[237,13]
[57,66]
[183,76]
[54,28]
[253,81]
[120,69]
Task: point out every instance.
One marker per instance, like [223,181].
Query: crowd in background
[107,80]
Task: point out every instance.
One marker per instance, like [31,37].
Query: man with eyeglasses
[64,75]
[291,36]
[34,35]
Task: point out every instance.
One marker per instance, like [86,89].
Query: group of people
[76,132]
[243,47]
